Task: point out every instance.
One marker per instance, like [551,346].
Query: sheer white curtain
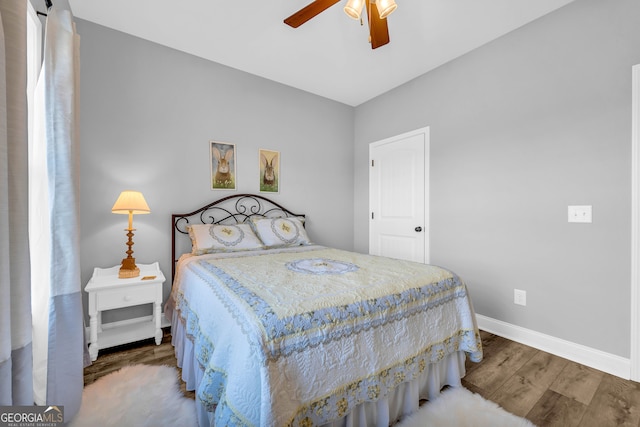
[15,293]
[58,332]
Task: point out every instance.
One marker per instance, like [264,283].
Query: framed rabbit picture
[223,165]
[269,171]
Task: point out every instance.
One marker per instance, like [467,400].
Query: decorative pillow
[209,238]
[281,231]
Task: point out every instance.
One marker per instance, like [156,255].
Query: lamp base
[128,269]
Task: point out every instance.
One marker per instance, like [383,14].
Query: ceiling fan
[378,30]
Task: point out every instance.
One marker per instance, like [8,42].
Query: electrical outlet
[580,214]
[519,297]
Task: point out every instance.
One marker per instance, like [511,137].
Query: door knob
[418,229]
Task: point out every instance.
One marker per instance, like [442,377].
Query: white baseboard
[606,362]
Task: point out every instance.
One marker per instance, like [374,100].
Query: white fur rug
[149,396]
[136,396]
[458,407]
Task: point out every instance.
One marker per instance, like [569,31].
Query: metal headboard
[235,209]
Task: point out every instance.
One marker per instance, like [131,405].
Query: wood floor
[546,389]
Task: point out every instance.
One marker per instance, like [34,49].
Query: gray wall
[147,115]
[521,128]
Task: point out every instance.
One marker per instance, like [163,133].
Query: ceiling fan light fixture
[385,7]
[353,9]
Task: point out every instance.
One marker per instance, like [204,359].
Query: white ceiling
[330,55]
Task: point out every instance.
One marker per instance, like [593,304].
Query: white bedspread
[298,337]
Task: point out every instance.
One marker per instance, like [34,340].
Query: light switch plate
[519,297]
[580,214]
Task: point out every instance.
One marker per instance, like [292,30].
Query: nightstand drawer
[117,298]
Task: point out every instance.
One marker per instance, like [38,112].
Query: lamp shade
[354,8]
[130,202]
[385,7]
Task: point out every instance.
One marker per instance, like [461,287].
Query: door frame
[635,226]
[427,144]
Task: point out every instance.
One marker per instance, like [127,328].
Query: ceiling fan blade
[308,12]
[378,30]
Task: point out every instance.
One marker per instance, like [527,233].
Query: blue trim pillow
[210,238]
[275,232]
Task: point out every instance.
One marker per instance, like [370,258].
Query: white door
[398,197]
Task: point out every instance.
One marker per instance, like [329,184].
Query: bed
[273,330]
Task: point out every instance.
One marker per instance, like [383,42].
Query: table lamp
[130,202]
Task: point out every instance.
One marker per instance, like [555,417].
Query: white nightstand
[107,292]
